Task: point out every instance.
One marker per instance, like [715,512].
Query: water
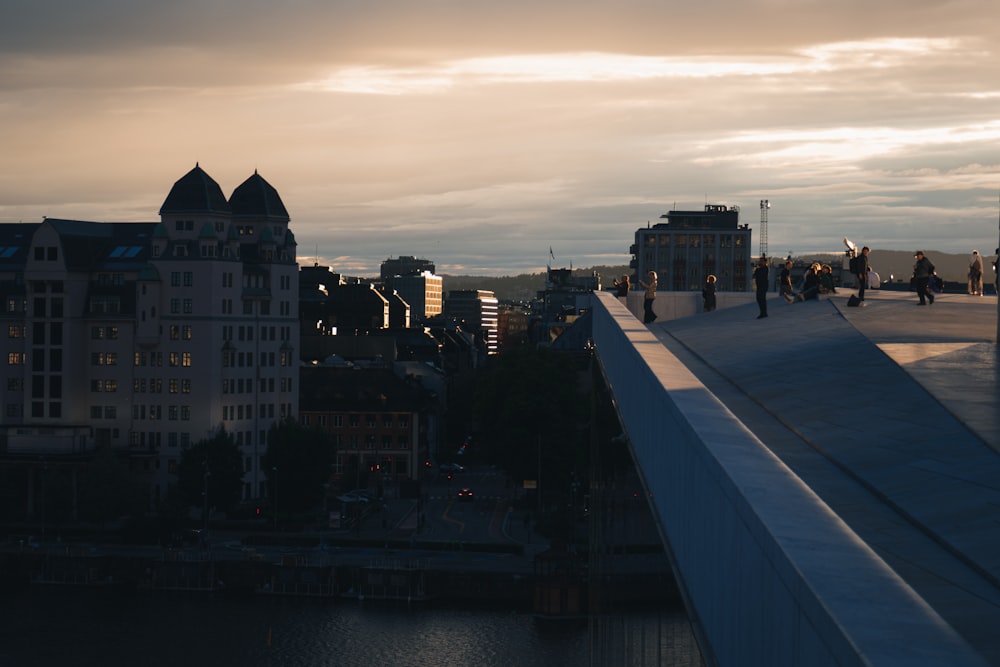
[55,626]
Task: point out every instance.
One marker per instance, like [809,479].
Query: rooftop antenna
[764,205]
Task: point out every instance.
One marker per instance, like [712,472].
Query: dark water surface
[60,626]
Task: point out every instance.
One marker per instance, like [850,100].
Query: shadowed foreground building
[149,337]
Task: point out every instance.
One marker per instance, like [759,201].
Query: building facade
[423,291]
[692,245]
[477,311]
[378,422]
[150,337]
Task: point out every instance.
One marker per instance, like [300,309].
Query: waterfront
[44,626]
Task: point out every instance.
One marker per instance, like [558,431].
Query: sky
[480,135]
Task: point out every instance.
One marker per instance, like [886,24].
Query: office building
[692,245]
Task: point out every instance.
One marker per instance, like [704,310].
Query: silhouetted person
[708,294]
[785,279]
[622,287]
[862,274]
[760,282]
[922,272]
[975,274]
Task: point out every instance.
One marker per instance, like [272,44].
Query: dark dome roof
[195,192]
[257,198]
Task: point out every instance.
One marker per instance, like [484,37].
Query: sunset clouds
[478,135]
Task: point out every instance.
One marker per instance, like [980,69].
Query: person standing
[862,273]
[922,272]
[622,287]
[996,272]
[708,293]
[648,316]
[760,282]
[785,278]
[975,274]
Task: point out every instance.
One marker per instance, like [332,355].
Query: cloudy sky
[480,134]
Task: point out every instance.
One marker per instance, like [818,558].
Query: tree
[220,458]
[298,462]
[108,490]
[532,414]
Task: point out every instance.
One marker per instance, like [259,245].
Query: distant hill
[523,287]
[896,263]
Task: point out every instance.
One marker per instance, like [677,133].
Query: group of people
[622,286]
[818,279]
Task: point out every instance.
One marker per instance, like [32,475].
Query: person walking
[862,273]
[648,316]
[785,278]
[760,282]
[708,294]
[922,272]
[975,274]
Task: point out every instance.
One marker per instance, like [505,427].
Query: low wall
[673,305]
[770,575]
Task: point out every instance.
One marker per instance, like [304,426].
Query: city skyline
[482,136]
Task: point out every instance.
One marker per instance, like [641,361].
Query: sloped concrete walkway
[891,413]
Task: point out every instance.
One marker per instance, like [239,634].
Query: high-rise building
[476,311]
[149,337]
[415,282]
[423,291]
[692,245]
[404,265]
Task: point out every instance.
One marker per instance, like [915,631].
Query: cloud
[479,134]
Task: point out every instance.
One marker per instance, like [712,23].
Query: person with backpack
[922,272]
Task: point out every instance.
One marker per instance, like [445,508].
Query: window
[175,306]
[173,386]
[188,306]
[175,278]
[187,333]
[175,332]
[186,359]
[15,331]
[175,359]
[188,279]
[185,386]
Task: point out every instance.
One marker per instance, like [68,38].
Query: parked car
[466,495]
[451,467]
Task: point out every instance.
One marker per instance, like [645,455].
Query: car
[356,496]
[451,467]
[466,495]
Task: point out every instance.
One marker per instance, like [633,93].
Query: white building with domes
[149,337]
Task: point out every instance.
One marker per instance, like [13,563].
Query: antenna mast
[764,205]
